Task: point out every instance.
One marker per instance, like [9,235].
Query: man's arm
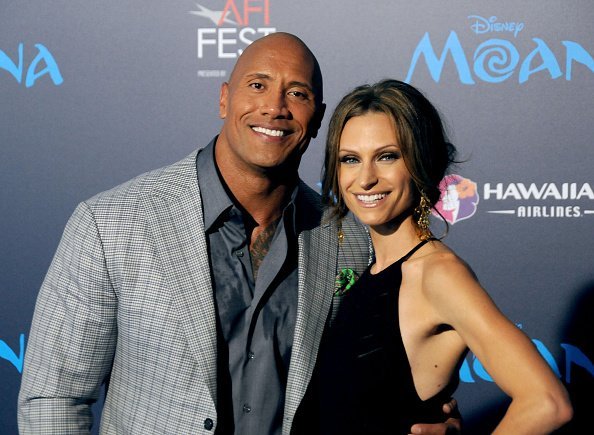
[451,426]
[73,335]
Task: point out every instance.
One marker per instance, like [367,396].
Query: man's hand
[452,426]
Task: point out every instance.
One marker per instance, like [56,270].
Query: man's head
[271,106]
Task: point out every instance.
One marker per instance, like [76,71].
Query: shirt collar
[216,200]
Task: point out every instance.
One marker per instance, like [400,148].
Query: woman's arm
[540,403]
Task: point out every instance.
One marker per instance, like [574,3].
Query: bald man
[197,293]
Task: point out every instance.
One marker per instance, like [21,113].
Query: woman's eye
[348,159]
[389,156]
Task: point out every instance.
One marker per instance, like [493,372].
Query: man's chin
[282,168]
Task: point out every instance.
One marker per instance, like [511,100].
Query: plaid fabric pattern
[128,299]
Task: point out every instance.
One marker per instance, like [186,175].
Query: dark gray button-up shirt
[256,317]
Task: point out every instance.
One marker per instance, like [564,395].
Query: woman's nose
[368,176]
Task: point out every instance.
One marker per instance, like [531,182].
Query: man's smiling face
[269,106]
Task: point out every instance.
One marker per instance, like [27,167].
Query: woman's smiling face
[374,180]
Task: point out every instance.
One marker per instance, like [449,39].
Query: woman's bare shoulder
[440,267]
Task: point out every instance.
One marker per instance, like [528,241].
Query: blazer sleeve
[73,335]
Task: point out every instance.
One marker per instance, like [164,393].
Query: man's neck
[262,192]
[264,199]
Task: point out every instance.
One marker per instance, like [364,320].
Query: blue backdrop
[92,94]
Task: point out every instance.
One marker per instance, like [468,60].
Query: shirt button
[239,253]
[251,355]
[247,408]
[208,424]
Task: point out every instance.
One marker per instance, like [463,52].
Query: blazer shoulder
[356,245]
[167,180]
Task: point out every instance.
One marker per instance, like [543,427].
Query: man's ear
[223,97]
[316,121]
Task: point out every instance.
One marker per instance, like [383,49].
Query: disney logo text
[485,25]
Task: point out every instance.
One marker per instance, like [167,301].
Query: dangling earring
[422,211]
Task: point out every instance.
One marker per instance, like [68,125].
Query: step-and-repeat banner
[94,93]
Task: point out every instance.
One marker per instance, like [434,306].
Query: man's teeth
[371,198]
[269,132]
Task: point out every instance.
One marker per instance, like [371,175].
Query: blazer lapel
[320,257]
[318,253]
[174,212]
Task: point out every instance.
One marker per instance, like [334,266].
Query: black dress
[362,382]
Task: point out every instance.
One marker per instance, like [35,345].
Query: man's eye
[256,85]
[299,94]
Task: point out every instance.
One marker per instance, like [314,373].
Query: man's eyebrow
[292,83]
[302,84]
[257,76]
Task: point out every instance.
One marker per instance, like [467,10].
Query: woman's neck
[391,243]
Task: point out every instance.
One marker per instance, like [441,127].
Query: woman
[391,356]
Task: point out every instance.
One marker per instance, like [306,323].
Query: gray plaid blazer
[128,302]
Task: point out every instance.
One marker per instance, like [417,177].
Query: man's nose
[275,105]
